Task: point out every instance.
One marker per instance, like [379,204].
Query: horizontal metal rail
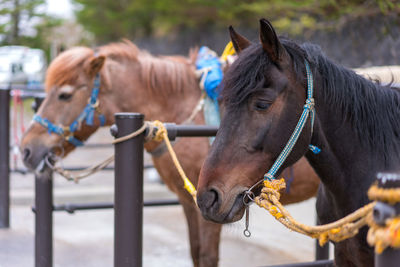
[29,94]
[74,168]
[23,87]
[72,207]
[89,145]
[321,263]
[190,130]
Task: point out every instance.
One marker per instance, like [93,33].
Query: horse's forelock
[245,75]
[65,68]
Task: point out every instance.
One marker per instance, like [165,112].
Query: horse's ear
[95,65]
[239,42]
[270,41]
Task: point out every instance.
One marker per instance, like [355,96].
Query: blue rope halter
[87,115]
[308,110]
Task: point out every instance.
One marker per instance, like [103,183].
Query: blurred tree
[112,19]
[17,15]
[24,22]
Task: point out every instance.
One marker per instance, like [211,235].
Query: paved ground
[86,238]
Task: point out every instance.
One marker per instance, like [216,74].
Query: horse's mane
[162,75]
[373,110]
[121,50]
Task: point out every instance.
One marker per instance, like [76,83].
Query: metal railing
[44,207]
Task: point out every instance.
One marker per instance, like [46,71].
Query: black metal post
[44,219]
[321,253]
[128,198]
[4,158]
[36,103]
[382,212]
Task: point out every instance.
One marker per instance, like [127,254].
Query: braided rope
[384,236]
[389,195]
[388,235]
[336,231]
[162,134]
[196,109]
[76,176]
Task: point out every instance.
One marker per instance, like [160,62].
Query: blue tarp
[207,58]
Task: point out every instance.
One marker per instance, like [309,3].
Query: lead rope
[160,135]
[347,227]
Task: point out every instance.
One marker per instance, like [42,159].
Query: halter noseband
[87,115]
[308,110]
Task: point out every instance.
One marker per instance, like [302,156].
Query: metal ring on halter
[96,104]
[54,157]
[247,233]
[48,163]
[250,196]
[249,193]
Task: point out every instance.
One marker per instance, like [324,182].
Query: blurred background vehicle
[21,65]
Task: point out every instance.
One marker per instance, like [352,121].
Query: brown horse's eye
[64,96]
[262,105]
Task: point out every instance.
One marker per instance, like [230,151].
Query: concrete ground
[86,237]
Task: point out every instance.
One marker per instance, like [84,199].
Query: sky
[61,8]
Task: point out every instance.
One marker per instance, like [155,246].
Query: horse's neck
[347,166]
[131,94]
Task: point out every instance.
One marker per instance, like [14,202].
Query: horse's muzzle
[213,208]
[33,155]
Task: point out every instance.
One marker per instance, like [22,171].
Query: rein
[87,115]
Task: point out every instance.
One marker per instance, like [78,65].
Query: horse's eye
[64,96]
[261,105]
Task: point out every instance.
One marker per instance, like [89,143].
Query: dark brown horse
[356,125]
[163,88]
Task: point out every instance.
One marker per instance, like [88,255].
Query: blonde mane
[162,75]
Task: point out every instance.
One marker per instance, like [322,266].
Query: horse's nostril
[208,199]
[27,153]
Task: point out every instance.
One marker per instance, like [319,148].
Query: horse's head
[263,98]
[69,86]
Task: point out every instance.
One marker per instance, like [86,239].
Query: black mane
[372,109]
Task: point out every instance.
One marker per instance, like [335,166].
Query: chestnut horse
[356,126]
[163,88]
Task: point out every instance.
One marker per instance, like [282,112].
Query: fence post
[128,194]
[44,219]
[4,158]
[321,253]
[383,211]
